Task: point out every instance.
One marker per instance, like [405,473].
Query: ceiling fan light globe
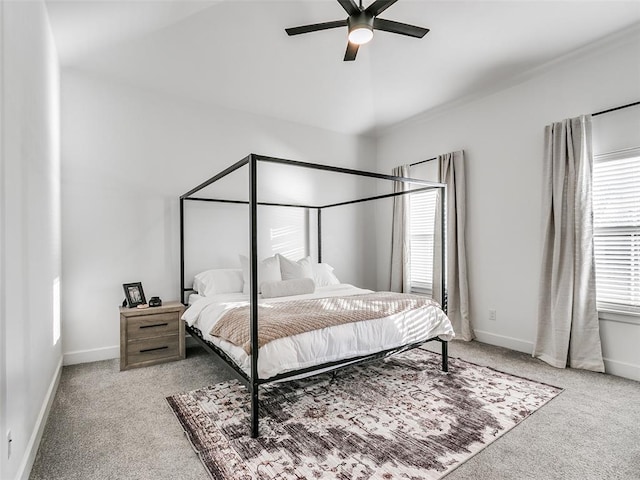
[361,35]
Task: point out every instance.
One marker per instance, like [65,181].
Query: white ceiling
[235,53]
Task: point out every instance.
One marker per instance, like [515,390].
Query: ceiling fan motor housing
[360,20]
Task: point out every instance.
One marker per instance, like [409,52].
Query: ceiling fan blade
[401,28]
[349,6]
[352,51]
[315,27]
[379,6]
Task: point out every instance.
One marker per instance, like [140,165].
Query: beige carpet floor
[107,424]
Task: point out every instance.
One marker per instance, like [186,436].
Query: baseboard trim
[611,367]
[94,355]
[104,353]
[502,341]
[622,369]
[34,442]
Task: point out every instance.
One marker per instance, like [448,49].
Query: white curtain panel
[451,173]
[568,329]
[400,239]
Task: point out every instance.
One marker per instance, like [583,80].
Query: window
[422,213]
[616,216]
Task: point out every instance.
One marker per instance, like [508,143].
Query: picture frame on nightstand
[134,294]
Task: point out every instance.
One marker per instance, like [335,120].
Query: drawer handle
[154,325]
[153,349]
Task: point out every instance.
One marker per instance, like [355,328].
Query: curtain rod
[593,115]
[423,161]
[615,108]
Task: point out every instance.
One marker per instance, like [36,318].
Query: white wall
[3,316]
[30,230]
[127,155]
[502,135]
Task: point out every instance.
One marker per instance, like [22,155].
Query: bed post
[443,270]
[253,291]
[181,250]
[319,235]
[443,248]
[445,355]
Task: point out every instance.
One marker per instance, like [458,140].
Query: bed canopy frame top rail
[252,380]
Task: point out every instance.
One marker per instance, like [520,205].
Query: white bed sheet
[324,345]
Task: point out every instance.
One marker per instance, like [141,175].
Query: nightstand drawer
[152,326]
[153,349]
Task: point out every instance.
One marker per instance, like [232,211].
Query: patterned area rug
[401,418]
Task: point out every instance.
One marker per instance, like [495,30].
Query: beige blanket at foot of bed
[285,319]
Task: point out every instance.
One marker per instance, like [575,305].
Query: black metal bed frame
[252,380]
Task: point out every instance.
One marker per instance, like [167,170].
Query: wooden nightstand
[151,335]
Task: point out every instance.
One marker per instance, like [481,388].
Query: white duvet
[319,346]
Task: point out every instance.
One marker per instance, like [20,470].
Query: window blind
[422,210]
[616,217]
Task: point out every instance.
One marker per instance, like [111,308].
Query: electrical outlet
[9,440]
[492,314]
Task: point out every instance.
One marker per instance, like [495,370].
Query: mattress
[319,346]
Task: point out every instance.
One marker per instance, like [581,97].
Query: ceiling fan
[361,23]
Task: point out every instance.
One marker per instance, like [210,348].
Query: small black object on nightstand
[155,302]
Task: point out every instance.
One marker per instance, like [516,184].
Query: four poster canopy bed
[297,319]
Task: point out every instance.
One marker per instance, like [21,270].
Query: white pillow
[291,270]
[219,280]
[287,288]
[268,271]
[323,275]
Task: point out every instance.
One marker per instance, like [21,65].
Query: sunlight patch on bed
[414,324]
